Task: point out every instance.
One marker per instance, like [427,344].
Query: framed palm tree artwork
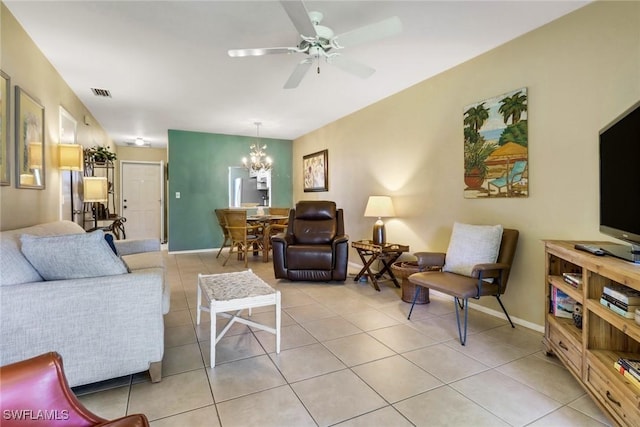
[496,147]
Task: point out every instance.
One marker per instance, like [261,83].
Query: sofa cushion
[471,245]
[72,256]
[14,267]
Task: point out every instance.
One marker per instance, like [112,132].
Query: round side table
[404,269]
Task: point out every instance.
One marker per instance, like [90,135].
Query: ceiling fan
[318,41]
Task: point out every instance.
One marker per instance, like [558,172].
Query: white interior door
[142,199]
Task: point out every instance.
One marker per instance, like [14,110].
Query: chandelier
[258,159]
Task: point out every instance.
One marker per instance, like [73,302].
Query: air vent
[101,92]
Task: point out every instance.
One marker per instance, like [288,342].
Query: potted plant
[100,154]
[476,152]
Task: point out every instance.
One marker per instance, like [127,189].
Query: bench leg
[213,313]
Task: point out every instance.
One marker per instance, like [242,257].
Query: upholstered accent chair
[464,278]
[36,392]
[314,246]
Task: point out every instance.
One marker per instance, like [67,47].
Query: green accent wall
[199,169]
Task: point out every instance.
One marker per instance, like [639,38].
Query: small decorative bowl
[638,316]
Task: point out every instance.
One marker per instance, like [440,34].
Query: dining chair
[276,226]
[222,222]
[244,237]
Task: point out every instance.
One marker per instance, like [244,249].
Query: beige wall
[29,69]
[581,72]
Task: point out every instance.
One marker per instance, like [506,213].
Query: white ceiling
[166,65]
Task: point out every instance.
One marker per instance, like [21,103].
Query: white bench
[235,292]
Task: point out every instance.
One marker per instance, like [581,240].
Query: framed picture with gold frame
[315,171]
[30,159]
[5,91]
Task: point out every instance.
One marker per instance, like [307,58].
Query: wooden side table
[370,252]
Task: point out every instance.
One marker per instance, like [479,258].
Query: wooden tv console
[589,353]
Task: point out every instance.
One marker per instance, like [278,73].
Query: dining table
[265,221]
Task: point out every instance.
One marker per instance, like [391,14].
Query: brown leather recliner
[35,392]
[314,247]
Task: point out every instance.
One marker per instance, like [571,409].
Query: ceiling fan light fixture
[317,40]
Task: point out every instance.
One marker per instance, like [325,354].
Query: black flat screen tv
[620,184]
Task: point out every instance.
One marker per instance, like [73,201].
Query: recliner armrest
[429,259]
[282,238]
[339,240]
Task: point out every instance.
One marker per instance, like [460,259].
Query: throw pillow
[72,256]
[471,245]
[109,238]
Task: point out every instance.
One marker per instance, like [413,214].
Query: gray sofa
[103,316]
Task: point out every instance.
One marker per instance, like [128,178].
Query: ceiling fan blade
[298,73]
[300,17]
[350,66]
[379,30]
[236,53]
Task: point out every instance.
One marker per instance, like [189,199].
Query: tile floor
[349,357]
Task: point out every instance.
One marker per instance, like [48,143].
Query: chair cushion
[471,245]
[309,257]
[452,284]
[72,256]
[317,232]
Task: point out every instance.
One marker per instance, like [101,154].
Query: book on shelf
[632,365]
[563,305]
[623,293]
[574,279]
[627,375]
[620,304]
[617,310]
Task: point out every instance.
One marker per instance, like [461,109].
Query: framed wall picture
[316,171]
[30,160]
[5,172]
[496,147]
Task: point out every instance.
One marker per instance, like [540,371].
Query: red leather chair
[35,392]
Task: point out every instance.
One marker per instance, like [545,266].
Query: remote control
[589,248]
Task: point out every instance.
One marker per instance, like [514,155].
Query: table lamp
[379,206]
[95,191]
[70,158]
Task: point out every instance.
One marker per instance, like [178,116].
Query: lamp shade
[70,157]
[95,189]
[379,206]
